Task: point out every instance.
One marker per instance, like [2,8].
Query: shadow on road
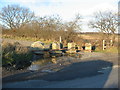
[76,70]
[79,70]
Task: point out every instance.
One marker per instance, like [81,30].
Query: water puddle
[76,68]
[37,64]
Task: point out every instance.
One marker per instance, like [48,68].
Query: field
[92,37]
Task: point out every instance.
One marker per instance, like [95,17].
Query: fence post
[103,44]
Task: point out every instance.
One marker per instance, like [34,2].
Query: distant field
[85,36]
[95,36]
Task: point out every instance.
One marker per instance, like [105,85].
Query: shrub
[15,56]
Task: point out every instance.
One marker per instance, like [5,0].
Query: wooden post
[111,42]
[60,39]
[103,44]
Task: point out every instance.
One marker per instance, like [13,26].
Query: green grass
[108,50]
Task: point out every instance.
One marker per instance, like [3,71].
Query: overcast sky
[66,9]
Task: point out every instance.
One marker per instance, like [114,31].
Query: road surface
[94,70]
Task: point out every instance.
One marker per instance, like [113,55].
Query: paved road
[109,79]
[106,80]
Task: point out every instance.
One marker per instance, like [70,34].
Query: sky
[66,9]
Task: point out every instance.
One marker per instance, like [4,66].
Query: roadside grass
[108,50]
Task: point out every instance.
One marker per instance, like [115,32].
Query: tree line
[22,22]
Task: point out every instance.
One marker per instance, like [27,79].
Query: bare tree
[47,26]
[72,27]
[14,16]
[75,24]
[49,22]
[106,23]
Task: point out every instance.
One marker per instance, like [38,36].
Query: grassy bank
[15,56]
[98,49]
[108,50]
[26,38]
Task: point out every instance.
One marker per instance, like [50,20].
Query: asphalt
[93,72]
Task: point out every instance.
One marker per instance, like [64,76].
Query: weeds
[15,56]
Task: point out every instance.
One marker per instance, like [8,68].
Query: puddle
[36,65]
[76,69]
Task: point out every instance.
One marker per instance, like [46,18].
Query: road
[108,78]
[79,75]
[89,82]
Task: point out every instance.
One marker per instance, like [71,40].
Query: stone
[71,51]
[38,45]
[88,46]
[56,45]
[71,45]
[54,60]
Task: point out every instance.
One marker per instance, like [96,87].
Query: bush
[15,56]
